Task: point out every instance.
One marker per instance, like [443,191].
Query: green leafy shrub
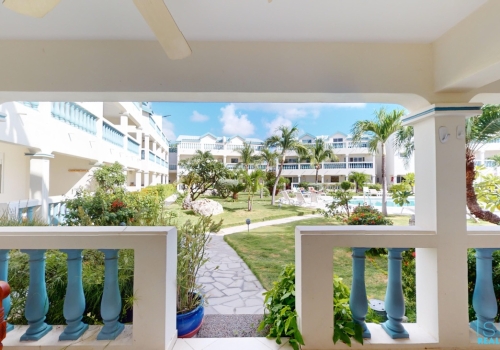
[409,284]
[162,190]
[367,215]
[281,317]
[377,187]
[227,187]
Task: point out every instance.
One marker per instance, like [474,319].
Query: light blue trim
[442,109]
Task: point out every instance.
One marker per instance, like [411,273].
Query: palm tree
[283,143]
[269,157]
[248,156]
[317,154]
[252,183]
[495,159]
[379,130]
[358,178]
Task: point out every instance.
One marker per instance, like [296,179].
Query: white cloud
[276,123]
[198,117]
[168,129]
[234,124]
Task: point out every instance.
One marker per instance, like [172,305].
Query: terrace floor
[230,344]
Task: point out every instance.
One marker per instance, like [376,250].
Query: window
[399,179]
[234,160]
[356,159]
[334,178]
[291,160]
[306,141]
[338,140]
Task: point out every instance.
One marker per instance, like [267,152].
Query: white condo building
[50,149]
[351,157]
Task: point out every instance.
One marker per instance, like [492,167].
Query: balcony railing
[153,327]
[112,135]
[314,290]
[189,145]
[231,166]
[334,165]
[157,129]
[234,147]
[487,163]
[132,146]
[75,115]
[336,144]
[151,157]
[361,165]
[212,146]
[290,166]
[30,104]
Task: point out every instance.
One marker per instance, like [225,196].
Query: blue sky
[260,120]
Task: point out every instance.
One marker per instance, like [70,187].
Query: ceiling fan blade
[33,8]
[161,22]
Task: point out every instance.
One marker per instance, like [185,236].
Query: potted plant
[191,244]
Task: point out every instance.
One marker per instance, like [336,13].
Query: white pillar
[442,300]
[40,181]
[138,180]
[145,178]
[124,129]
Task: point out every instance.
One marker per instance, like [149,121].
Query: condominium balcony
[327,168]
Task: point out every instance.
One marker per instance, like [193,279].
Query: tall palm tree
[253,182]
[379,130]
[248,156]
[286,141]
[269,157]
[317,154]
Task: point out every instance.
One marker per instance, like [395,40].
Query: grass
[265,250]
[235,213]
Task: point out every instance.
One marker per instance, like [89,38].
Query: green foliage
[359,179]
[11,218]
[367,215]
[400,187]
[226,187]
[409,284]
[487,190]
[304,184]
[271,179]
[163,191]
[203,172]
[280,315]
[109,176]
[317,154]
[344,328]
[340,208]
[192,240]
[377,187]
[401,198]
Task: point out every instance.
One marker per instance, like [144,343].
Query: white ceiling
[249,20]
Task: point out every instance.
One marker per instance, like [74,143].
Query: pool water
[377,202]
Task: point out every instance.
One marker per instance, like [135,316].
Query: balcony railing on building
[112,135]
[487,163]
[30,104]
[151,156]
[329,165]
[75,115]
[213,147]
[132,146]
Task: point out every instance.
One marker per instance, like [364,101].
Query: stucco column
[124,129]
[440,205]
[138,179]
[40,180]
[145,177]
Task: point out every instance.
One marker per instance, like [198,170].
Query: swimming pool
[377,201]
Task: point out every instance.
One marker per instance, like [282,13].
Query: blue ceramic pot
[189,324]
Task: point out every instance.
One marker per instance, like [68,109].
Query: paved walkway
[232,288]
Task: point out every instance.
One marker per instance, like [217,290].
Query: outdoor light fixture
[248,223]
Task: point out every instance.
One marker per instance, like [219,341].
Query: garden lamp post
[248,223]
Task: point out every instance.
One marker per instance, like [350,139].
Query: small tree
[253,182]
[317,154]
[109,176]
[207,170]
[339,208]
[358,178]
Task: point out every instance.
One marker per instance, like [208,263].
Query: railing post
[37,302]
[4,276]
[394,299]
[111,302]
[358,302]
[483,299]
[74,302]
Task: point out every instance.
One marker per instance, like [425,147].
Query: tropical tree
[479,130]
[284,142]
[358,178]
[206,172]
[248,156]
[253,182]
[317,154]
[268,156]
[495,159]
[379,130]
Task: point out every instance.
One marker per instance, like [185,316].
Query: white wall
[15,173]
[61,179]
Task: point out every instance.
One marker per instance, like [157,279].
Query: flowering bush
[367,215]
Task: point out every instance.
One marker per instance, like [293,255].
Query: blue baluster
[111,303]
[483,299]
[37,303]
[74,302]
[358,302]
[394,299]
[4,276]
[30,213]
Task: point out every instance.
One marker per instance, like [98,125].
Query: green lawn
[235,213]
[267,249]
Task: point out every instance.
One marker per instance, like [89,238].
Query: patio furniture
[373,192]
[301,199]
[286,198]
